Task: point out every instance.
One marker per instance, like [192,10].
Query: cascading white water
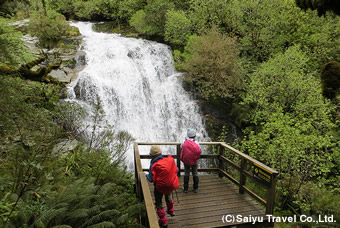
[138,86]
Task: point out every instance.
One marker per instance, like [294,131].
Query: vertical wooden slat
[242,176]
[271,195]
[220,161]
[135,154]
[178,152]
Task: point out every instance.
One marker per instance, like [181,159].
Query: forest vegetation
[270,67]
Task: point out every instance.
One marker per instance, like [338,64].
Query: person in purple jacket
[190,153]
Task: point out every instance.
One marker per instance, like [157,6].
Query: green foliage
[9,8]
[116,10]
[291,129]
[316,35]
[290,88]
[12,49]
[259,25]
[70,117]
[177,27]
[97,9]
[156,15]
[28,134]
[50,28]
[64,7]
[127,8]
[269,27]
[213,65]
[181,4]
[151,20]
[317,199]
[138,21]
[85,204]
[39,186]
[206,13]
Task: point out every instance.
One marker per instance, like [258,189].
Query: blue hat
[191,133]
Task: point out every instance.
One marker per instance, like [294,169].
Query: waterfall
[138,86]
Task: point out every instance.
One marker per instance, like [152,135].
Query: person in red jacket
[190,153]
[156,154]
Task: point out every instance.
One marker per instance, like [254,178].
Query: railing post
[220,162]
[271,195]
[242,176]
[136,172]
[178,152]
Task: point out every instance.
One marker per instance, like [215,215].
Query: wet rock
[65,146]
[60,75]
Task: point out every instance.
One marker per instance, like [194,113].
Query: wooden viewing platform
[217,196]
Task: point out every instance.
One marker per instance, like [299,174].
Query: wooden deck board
[216,197]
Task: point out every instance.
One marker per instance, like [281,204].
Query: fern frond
[86,201]
[49,215]
[123,219]
[103,225]
[94,210]
[59,205]
[62,226]
[105,215]
[106,189]
[135,210]
[66,198]
[78,214]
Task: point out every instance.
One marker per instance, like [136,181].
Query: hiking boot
[163,220]
[163,225]
[171,209]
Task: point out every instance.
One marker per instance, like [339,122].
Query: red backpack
[190,153]
[164,173]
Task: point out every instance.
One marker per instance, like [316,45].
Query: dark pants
[187,174]
[193,170]
[159,198]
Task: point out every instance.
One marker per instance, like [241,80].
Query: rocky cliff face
[73,59]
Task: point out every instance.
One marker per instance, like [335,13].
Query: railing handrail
[247,157]
[143,190]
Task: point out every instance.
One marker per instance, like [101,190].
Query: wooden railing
[261,174]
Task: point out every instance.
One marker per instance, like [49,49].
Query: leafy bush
[291,129]
[151,20]
[177,28]
[138,21]
[12,49]
[64,7]
[51,28]
[212,63]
